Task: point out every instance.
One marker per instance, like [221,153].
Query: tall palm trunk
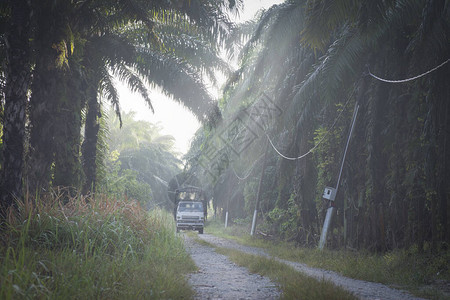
[17,85]
[43,107]
[89,147]
[49,91]
[67,171]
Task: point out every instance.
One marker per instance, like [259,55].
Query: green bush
[91,248]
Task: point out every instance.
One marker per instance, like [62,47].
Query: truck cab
[190,216]
[190,210]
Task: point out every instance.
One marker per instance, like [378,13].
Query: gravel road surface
[221,279]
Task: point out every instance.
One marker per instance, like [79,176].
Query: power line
[323,138]
[249,172]
[409,79]
[320,141]
[286,157]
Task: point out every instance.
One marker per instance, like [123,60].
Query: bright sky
[173,118]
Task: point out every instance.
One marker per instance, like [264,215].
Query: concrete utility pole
[330,193]
[226,214]
[258,194]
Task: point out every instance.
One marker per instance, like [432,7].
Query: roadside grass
[407,269]
[293,284]
[86,248]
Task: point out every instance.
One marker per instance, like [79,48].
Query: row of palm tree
[314,60]
[61,58]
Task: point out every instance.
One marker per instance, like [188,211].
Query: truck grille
[189,217]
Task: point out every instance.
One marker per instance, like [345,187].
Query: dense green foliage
[59,62]
[140,163]
[91,249]
[303,69]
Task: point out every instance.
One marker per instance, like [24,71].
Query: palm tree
[414,47]
[17,79]
[50,95]
[164,60]
[139,146]
[59,31]
[313,58]
[127,57]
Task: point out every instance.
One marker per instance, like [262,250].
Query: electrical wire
[409,79]
[320,141]
[286,157]
[323,138]
[249,172]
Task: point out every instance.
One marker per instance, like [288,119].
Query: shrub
[86,247]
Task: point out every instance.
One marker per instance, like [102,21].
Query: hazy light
[174,119]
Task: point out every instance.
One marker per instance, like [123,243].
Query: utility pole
[226,214]
[331,193]
[258,194]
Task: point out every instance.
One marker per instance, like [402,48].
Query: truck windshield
[190,207]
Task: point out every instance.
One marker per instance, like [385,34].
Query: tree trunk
[46,92]
[376,167]
[89,147]
[49,90]
[17,85]
[68,171]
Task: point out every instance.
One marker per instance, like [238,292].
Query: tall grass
[84,248]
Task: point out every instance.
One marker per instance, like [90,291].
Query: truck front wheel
[200,231]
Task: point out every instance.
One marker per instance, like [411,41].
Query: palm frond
[109,91]
[133,81]
[322,17]
[432,33]
[238,37]
[266,18]
[267,52]
[209,14]
[177,79]
[194,49]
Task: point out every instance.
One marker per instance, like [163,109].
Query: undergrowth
[417,272]
[91,248]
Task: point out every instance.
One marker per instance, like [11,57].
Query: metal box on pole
[329,193]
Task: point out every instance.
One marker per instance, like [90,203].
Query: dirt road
[221,279]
